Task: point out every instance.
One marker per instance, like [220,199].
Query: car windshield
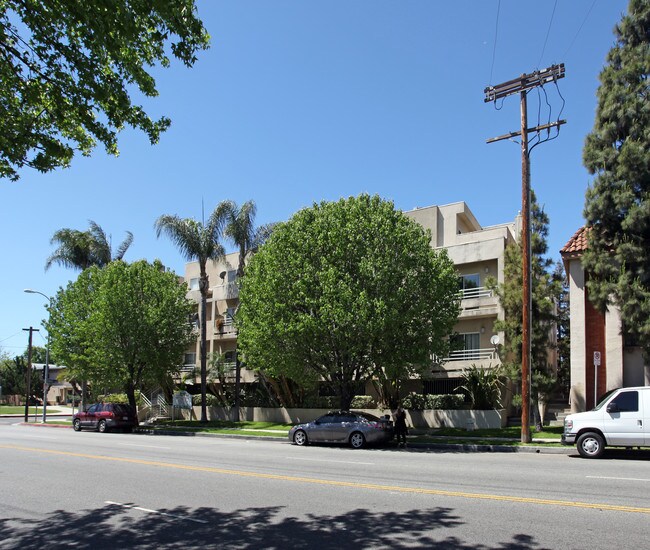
[604,398]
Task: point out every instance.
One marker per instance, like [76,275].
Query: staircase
[556,411]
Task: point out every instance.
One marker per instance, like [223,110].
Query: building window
[194,283]
[466,346]
[189,359]
[469,283]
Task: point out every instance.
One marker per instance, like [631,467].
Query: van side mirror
[612,408]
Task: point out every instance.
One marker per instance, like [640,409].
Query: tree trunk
[203,283]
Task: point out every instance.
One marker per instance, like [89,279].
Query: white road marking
[154,512]
[325,460]
[147,446]
[618,478]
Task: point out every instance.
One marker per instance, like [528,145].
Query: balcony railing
[225,327]
[478,292]
[471,355]
[226,291]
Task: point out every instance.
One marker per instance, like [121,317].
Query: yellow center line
[356,485]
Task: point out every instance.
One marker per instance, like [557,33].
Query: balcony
[226,291]
[460,360]
[224,328]
[478,302]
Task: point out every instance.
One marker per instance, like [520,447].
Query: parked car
[355,428]
[106,416]
[621,419]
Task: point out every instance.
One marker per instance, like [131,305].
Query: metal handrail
[478,354]
[477,292]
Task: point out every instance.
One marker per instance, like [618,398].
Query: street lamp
[46,372]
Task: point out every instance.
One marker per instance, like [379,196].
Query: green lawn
[10,409]
[504,436]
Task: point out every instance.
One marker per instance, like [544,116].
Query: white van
[621,419]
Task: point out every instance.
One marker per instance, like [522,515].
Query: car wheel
[76,425]
[357,440]
[300,438]
[590,445]
[101,427]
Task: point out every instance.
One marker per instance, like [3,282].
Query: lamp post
[46,372]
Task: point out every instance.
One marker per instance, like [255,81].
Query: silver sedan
[355,428]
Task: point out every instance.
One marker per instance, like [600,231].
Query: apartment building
[478,253]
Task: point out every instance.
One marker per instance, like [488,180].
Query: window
[467,282]
[189,359]
[194,283]
[466,346]
[232,275]
[627,401]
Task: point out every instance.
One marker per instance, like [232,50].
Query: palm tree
[82,249]
[198,241]
[241,230]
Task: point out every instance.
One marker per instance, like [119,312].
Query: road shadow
[620,454]
[117,527]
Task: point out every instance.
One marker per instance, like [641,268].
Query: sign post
[596,365]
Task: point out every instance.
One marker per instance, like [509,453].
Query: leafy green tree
[13,376]
[68,70]
[121,327]
[82,249]
[563,330]
[344,292]
[198,241]
[545,291]
[617,206]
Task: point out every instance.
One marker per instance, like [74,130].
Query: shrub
[120,398]
[418,401]
[363,402]
[210,400]
[483,387]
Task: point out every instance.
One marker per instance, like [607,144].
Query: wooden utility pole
[28,374]
[521,85]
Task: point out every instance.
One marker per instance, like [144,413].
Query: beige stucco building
[602,358]
[478,253]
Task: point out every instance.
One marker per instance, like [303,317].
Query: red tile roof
[577,244]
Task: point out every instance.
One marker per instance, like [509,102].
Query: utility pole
[522,85]
[29,371]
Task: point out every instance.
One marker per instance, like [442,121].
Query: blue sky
[299,102]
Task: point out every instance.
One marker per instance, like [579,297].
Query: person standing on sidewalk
[400,426]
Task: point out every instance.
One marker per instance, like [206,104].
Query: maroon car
[106,416]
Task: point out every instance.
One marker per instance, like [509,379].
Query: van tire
[591,445]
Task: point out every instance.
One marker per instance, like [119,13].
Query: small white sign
[597,358]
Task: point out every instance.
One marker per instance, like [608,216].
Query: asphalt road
[91,490]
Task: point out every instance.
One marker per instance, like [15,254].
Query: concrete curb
[452,447]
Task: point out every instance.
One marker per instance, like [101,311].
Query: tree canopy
[124,326]
[617,152]
[345,292]
[68,70]
[82,249]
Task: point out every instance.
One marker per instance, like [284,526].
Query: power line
[494,46]
[550,23]
[580,28]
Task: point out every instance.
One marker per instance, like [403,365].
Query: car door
[88,417]
[321,428]
[623,419]
[341,426]
[645,396]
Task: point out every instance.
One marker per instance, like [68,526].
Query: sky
[302,102]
